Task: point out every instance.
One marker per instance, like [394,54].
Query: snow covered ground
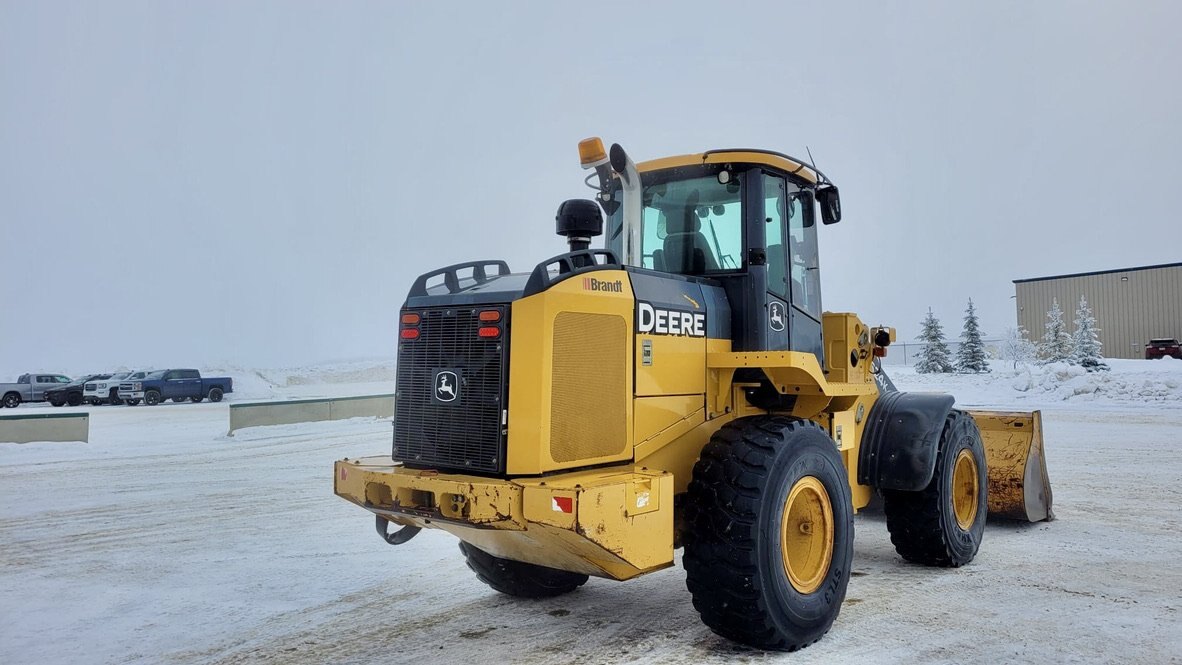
[163,540]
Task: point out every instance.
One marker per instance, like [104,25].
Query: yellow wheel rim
[965,490]
[806,535]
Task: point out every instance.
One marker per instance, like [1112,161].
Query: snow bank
[1127,382]
[360,377]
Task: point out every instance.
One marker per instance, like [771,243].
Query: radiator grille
[465,434]
[588,389]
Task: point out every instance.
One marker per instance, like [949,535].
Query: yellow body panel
[552,373]
[677,365]
[658,420]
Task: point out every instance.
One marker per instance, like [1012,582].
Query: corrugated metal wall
[1130,306]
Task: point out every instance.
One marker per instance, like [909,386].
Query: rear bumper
[615,522]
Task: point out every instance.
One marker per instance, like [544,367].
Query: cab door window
[804,268]
[775,193]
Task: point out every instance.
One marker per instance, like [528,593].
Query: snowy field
[165,541]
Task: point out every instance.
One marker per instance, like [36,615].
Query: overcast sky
[259,183]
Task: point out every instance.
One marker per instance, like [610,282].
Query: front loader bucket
[1018,485]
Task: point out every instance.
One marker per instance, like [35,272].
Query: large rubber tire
[132,402]
[56,402]
[11,400]
[524,580]
[215,394]
[113,397]
[151,398]
[739,525]
[924,525]
[196,400]
[74,399]
[178,400]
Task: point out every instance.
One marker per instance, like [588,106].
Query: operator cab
[745,219]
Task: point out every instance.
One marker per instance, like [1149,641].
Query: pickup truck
[71,393]
[29,388]
[174,384]
[106,391]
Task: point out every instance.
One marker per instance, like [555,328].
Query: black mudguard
[900,441]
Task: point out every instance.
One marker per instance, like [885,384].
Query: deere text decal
[660,321]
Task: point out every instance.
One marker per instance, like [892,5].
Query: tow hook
[398,537]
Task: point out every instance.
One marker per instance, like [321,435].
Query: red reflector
[562,504]
[880,352]
[410,333]
[490,315]
[410,319]
[489,331]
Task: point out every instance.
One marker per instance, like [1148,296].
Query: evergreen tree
[971,356]
[1056,343]
[933,358]
[1017,347]
[1086,338]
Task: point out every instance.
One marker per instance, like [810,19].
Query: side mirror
[830,201]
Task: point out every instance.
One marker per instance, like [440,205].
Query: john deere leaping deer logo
[447,386]
[775,315]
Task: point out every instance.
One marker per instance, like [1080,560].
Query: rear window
[1164,340]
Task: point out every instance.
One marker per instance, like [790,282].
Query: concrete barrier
[45,427]
[255,414]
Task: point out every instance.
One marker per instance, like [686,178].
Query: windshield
[692,224]
[155,375]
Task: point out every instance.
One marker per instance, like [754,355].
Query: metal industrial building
[1131,305]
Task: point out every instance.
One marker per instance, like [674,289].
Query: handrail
[451,278]
[569,265]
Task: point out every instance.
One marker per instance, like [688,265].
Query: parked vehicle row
[148,386]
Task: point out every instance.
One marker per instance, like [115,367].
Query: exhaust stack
[593,156]
[633,206]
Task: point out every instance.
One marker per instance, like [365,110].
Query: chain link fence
[907,353]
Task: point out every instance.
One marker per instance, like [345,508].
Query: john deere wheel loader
[680,387]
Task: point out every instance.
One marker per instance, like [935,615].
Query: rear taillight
[490,316]
[410,325]
[489,332]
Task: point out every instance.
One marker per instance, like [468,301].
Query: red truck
[1161,347]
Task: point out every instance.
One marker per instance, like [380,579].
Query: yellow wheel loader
[681,386]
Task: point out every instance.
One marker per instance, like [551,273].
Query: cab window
[775,193]
[692,226]
[805,271]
